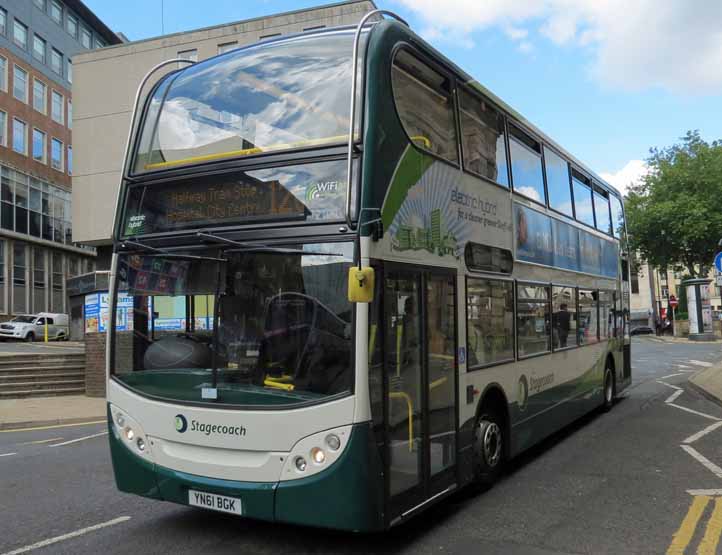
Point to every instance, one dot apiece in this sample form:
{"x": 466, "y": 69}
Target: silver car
{"x": 31, "y": 327}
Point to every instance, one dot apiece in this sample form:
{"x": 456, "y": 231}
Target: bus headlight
{"x": 128, "y": 431}
{"x": 318, "y": 456}
{"x": 315, "y": 453}
{"x": 333, "y": 442}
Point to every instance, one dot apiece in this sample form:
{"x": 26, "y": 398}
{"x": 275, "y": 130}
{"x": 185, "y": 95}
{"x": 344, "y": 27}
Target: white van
{"x": 31, "y": 327}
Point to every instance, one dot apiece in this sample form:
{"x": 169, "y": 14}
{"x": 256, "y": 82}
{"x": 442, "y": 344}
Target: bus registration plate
{"x": 214, "y": 502}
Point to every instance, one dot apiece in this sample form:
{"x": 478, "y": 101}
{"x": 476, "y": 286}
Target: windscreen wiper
{"x": 256, "y": 247}
{"x": 163, "y": 253}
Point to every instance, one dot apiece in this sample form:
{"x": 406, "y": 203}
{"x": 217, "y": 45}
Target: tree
{"x": 674, "y": 216}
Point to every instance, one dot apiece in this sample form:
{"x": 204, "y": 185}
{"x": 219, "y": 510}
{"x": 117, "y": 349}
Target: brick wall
{"x": 95, "y": 364}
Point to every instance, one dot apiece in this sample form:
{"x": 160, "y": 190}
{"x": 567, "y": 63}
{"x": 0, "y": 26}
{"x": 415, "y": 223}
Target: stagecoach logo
{"x": 181, "y": 424}
{"x": 522, "y": 393}
{"x": 322, "y": 189}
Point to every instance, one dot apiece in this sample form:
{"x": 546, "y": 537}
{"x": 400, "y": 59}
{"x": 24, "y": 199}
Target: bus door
{"x": 420, "y": 342}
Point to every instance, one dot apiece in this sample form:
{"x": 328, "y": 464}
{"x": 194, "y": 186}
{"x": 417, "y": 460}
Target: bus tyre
{"x": 488, "y": 448}
{"x": 609, "y": 389}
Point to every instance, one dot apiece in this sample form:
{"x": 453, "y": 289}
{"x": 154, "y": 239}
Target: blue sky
{"x": 607, "y": 79}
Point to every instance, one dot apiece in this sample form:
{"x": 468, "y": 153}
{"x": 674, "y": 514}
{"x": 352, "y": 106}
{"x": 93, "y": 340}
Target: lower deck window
{"x": 564, "y": 317}
{"x": 490, "y": 321}
{"x": 532, "y": 319}
{"x": 588, "y": 331}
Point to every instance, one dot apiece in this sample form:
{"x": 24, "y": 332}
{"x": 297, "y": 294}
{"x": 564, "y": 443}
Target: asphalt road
{"x": 644, "y": 478}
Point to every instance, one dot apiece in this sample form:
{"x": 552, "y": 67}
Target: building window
{"x": 70, "y": 114}
{"x": 20, "y": 138}
{"x": 40, "y": 96}
{"x": 21, "y": 202}
{"x": 57, "y": 108}
{"x": 4, "y": 73}
{"x": 635, "y": 283}
{"x": 582, "y": 199}
{"x": 39, "y": 48}
{"x": 56, "y": 11}
{"x": 34, "y": 206}
{"x": 227, "y": 47}
{"x": 19, "y": 265}
{"x": 85, "y": 37}
{"x": 2, "y": 276}
{"x": 424, "y": 104}
{"x": 558, "y": 185}
{"x": 532, "y": 319}
{"x": 39, "y": 147}
{"x": 56, "y": 160}
{"x": 588, "y": 328}
{"x": 20, "y": 84}
{"x": 70, "y": 160}
{"x": 191, "y": 55}
{"x": 490, "y": 321}
{"x": 20, "y": 34}
{"x": 71, "y": 25}
{"x": 99, "y": 43}
{"x": 56, "y": 61}
{"x": 69, "y": 67}
{"x": 3, "y": 129}
{"x": 526, "y": 165}
{"x": 3, "y": 21}
{"x": 482, "y": 139}
{"x": 564, "y": 317}
{"x": 38, "y": 279}
{"x": 40, "y": 4}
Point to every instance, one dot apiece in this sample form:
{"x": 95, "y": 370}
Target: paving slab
{"x": 50, "y": 411}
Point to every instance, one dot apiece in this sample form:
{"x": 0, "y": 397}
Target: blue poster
{"x": 91, "y": 313}
{"x": 533, "y": 236}
{"x": 610, "y": 259}
{"x": 566, "y": 246}
{"x": 590, "y": 253}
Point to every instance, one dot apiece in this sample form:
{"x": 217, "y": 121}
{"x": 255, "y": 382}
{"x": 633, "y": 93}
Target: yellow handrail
{"x": 425, "y": 140}
{"x": 244, "y": 152}
{"x": 410, "y": 407}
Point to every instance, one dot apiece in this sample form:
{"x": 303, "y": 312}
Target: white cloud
{"x": 630, "y": 174}
{"x": 674, "y": 44}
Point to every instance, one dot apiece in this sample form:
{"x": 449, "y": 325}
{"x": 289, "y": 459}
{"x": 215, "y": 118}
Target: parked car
{"x": 641, "y": 330}
{"x": 31, "y": 327}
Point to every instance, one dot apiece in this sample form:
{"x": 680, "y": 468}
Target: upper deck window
{"x": 423, "y": 101}
{"x": 526, "y": 165}
{"x": 582, "y": 199}
{"x": 617, "y": 216}
{"x": 280, "y": 95}
{"x": 560, "y": 196}
{"x": 482, "y": 138}
{"x": 601, "y": 209}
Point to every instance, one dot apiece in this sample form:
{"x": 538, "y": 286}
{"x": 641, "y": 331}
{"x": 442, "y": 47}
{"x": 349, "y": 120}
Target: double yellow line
{"x": 711, "y": 538}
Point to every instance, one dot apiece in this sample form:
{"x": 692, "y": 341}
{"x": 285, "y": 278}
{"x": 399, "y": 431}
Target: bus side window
{"x": 424, "y": 104}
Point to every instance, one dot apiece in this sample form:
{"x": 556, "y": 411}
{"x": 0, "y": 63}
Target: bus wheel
{"x": 609, "y": 389}
{"x": 488, "y": 448}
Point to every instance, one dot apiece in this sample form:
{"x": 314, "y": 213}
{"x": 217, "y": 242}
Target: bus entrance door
{"x": 420, "y": 381}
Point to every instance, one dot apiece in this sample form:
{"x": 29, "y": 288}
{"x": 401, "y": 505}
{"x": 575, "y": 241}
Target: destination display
{"x": 308, "y": 192}
{"x": 551, "y": 242}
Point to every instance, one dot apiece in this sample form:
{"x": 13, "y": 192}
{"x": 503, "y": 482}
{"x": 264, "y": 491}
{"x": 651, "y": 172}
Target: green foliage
{"x": 674, "y": 217}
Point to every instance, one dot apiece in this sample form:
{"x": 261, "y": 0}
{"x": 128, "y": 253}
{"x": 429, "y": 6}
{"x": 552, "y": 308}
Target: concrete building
{"x": 38, "y": 42}
{"x": 102, "y": 113}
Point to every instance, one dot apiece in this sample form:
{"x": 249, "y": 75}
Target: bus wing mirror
{"x": 360, "y": 284}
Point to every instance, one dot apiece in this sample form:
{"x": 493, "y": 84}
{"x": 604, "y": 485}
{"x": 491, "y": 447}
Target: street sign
{"x": 719, "y": 280}
{"x": 718, "y": 262}
{"x": 673, "y": 301}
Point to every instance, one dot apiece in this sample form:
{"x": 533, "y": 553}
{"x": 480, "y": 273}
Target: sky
{"x": 606, "y": 79}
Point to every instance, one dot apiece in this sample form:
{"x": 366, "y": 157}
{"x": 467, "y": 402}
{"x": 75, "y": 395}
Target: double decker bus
{"x": 348, "y": 280}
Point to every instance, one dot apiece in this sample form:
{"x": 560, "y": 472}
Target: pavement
{"x": 644, "y": 478}
{"x": 34, "y": 412}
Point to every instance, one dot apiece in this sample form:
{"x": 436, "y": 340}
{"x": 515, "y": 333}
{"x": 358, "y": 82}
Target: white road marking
{"x": 680, "y": 407}
{"x": 702, "y": 433}
{"x": 710, "y": 492}
{"x": 708, "y": 464}
{"x": 672, "y": 398}
{"x": 700, "y": 363}
{"x": 670, "y": 385}
{"x": 79, "y": 439}
{"x": 8, "y": 454}
{"x": 673, "y": 375}
{"x": 68, "y": 536}
{"x": 41, "y": 441}
{"x": 683, "y": 366}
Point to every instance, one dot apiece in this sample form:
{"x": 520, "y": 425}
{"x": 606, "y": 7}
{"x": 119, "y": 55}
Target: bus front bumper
{"x": 347, "y": 496}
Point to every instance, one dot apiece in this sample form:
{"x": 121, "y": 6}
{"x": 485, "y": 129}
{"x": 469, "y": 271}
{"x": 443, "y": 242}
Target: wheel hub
{"x": 491, "y": 444}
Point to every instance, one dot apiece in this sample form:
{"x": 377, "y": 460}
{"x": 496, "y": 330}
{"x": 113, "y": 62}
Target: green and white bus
{"x": 348, "y": 280}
